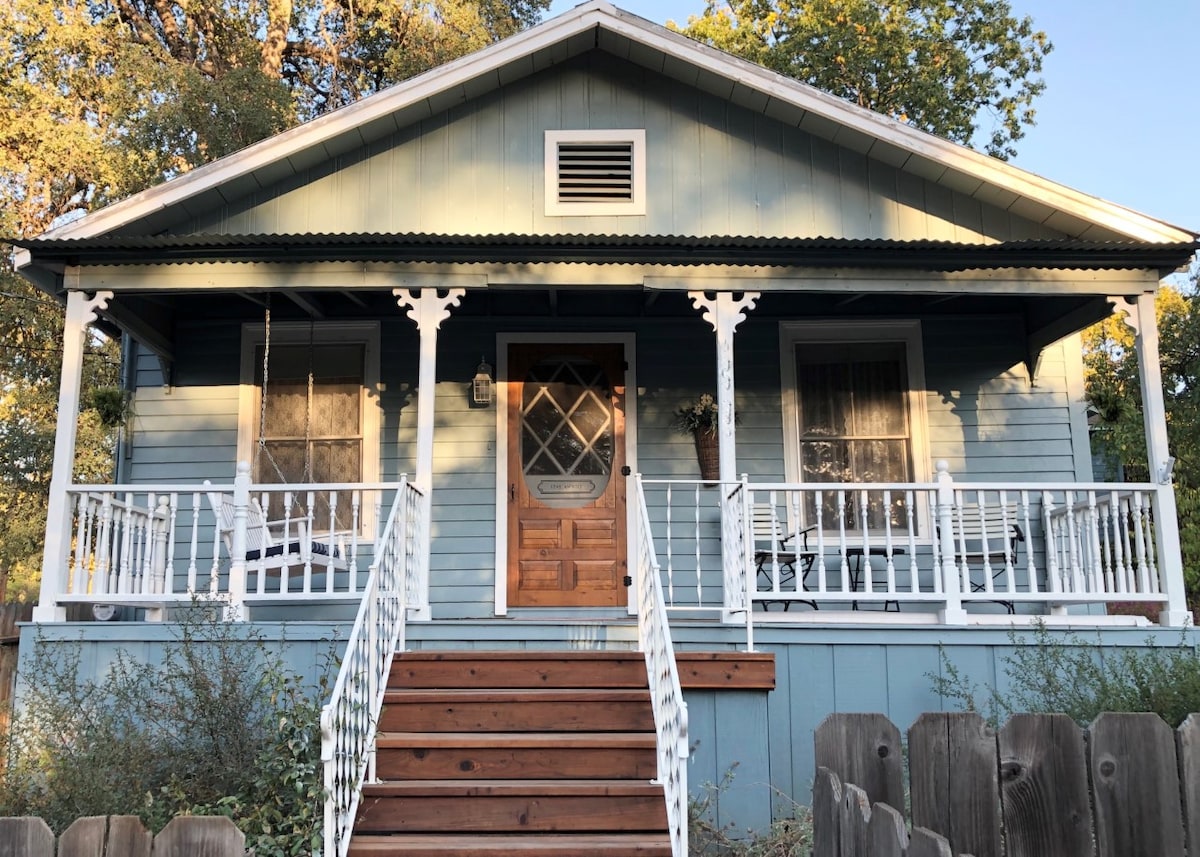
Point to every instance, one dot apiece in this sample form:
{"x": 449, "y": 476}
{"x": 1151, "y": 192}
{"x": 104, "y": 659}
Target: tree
{"x": 102, "y": 99}
{"x": 941, "y": 65}
{"x": 1114, "y": 393}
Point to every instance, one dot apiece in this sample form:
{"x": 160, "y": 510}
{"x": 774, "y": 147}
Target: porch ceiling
{"x": 153, "y": 318}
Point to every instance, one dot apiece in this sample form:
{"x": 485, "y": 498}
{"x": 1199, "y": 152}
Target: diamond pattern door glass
{"x": 567, "y": 428}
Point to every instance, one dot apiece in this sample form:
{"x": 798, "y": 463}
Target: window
{"x": 326, "y": 435}
{"x": 854, "y": 414}
{"x": 313, "y": 437}
{"x": 595, "y": 172}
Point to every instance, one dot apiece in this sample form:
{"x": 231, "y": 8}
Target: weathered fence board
{"x": 122, "y": 836}
{"x": 1135, "y": 780}
{"x": 199, "y": 837}
{"x": 84, "y": 838}
{"x": 126, "y": 836}
{"x": 25, "y": 837}
{"x": 1126, "y": 787}
{"x": 926, "y": 843}
{"x": 827, "y": 806}
{"x": 1044, "y": 787}
{"x": 886, "y": 832}
{"x": 1188, "y": 744}
{"x": 856, "y": 814}
{"x": 955, "y": 788}
{"x": 838, "y": 743}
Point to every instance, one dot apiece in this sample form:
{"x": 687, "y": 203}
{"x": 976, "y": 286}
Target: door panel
{"x": 566, "y": 498}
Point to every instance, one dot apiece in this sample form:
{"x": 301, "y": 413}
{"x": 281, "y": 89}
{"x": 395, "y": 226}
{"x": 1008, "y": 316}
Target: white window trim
{"x": 557, "y": 208}
{"x": 298, "y": 333}
{"x": 907, "y": 332}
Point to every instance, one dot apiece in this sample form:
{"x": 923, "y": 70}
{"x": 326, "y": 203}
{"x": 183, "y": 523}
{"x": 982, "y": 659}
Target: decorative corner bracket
{"x": 86, "y": 310}
{"x": 428, "y": 307}
{"x": 1127, "y": 305}
{"x": 723, "y": 311}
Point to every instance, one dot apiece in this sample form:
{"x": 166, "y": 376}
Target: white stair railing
{"x": 349, "y": 720}
{"x": 666, "y": 695}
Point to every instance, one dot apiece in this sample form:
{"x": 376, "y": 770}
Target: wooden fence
{"x": 122, "y": 836}
{"x": 10, "y": 615}
{"x": 1128, "y": 786}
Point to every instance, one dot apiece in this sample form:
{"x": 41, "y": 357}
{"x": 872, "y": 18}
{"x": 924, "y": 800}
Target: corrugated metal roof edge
{"x": 608, "y": 249}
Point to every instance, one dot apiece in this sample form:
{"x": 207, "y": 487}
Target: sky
{"x": 1120, "y": 117}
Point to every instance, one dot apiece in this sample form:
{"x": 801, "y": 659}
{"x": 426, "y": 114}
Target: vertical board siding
{"x": 767, "y": 737}
{"x": 477, "y": 168}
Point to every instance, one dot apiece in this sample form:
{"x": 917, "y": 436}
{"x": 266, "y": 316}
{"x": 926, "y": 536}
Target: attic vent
{"x": 595, "y": 172}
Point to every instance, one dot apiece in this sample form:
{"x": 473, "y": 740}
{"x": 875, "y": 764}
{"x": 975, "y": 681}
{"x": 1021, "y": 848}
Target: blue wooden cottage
{"x": 434, "y": 360}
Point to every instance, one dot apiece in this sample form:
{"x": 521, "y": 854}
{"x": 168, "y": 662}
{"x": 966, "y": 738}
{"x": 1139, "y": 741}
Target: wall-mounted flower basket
{"x": 708, "y": 453}
{"x": 700, "y": 420}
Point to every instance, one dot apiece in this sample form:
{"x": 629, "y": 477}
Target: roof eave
{"x": 48, "y": 255}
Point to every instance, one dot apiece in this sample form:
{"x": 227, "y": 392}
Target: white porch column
{"x": 428, "y": 308}
{"x": 725, "y": 313}
{"x": 81, "y": 311}
{"x": 1144, "y": 320}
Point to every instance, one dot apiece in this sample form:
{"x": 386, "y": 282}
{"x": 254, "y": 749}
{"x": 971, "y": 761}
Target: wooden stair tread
{"x": 698, "y": 670}
{"x": 521, "y": 655}
{"x": 603, "y": 740}
{"x": 512, "y": 845}
{"x": 506, "y": 695}
{"x": 484, "y": 788}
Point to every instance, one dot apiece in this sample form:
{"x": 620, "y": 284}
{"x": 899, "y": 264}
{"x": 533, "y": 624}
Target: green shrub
{"x": 1065, "y": 673}
{"x": 219, "y": 726}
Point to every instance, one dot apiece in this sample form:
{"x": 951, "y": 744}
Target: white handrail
{"x": 349, "y": 720}
{"x": 666, "y": 695}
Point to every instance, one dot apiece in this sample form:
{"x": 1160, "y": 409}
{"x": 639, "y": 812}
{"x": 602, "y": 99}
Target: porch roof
{"x": 660, "y": 250}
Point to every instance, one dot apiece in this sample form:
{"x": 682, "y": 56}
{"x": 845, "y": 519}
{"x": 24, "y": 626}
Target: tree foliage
{"x": 1115, "y": 395}
{"x": 946, "y": 66}
{"x": 103, "y": 98}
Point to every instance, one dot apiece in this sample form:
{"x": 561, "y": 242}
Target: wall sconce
{"x": 481, "y": 386}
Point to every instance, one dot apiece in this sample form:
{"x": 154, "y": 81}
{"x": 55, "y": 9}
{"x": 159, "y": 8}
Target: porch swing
{"x": 275, "y": 545}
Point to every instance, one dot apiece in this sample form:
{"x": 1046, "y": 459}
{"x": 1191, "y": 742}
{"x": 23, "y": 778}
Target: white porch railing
{"x": 933, "y": 547}
{"x": 348, "y": 722}
{"x": 666, "y": 696}
{"x": 155, "y": 545}
{"x": 1104, "y": 540}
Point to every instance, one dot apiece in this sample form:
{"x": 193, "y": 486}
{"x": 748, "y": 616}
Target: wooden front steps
{"x": 520, "y": 753}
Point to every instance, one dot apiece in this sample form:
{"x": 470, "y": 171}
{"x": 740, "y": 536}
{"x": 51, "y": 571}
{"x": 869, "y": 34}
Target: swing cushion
{"x": 318, "y": 548}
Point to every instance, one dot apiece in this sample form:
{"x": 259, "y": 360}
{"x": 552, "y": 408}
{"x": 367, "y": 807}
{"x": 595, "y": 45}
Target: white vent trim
{"x": 595, "y": 172}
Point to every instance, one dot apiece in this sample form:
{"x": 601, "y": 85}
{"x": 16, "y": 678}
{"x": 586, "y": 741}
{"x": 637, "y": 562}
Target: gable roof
{"x": 597, "y": 24}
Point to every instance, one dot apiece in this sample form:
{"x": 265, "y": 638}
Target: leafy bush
{"x": 219, "y": 727}
{"x": 1067, "y": 674}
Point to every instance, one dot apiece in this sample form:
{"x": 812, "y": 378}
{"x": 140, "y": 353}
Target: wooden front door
{"x": 566, "y": 493}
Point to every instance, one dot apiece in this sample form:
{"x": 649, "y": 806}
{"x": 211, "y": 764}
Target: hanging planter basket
{"x": 708, "y": 453}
